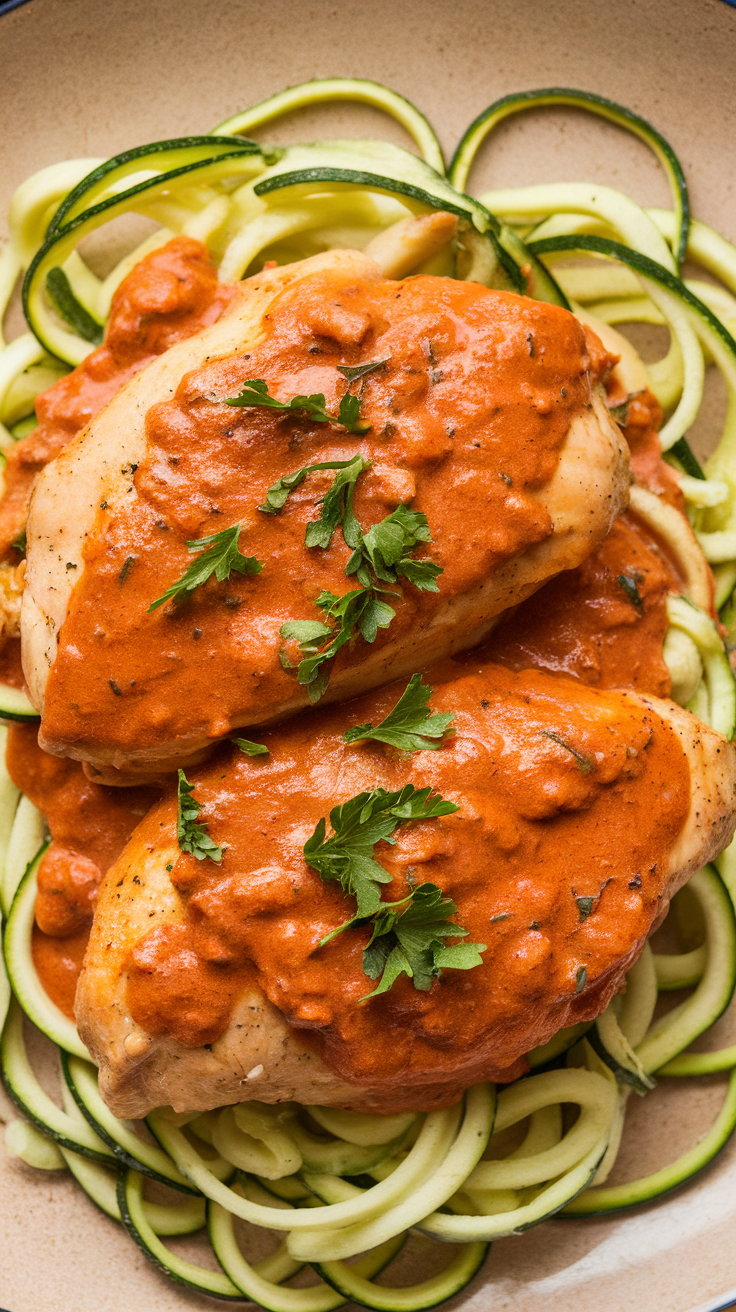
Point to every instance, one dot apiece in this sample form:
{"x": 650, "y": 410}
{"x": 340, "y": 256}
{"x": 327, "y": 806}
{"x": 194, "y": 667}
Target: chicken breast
{"x": 484, "y": 418}
{"x": 578, "y": 814}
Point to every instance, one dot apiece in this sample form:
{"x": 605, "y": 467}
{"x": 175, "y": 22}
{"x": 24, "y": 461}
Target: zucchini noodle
{"x": 332, "y": 1185}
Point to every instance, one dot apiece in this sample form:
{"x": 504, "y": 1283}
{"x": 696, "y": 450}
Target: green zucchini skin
{"x": 681, "y": 451}
{"x": 15, "y": 705}
{"x": 200, "y": 147}
{"x": 123, "y": 1155}
{"x": 540, "y": 1059}
{"x": 62, "y": 240}
{"x": 460, "y": 1271}
{"x": 607, "y": 1041}
{"x": 22, "y": 972}
{"x": 212, "y": 1283}
{"x": 322, "y": 90}
{"x": 59, "y": 292}
{"x": 441, "y": 198}
{"x": 619, "y": 1198}
{"x": 435, "y": 191}
{"x": 669, "y": 1036}
{"x": 517, "y": 102}
{"x": 640, "y": 264}
{"x": 24, "y": 1091}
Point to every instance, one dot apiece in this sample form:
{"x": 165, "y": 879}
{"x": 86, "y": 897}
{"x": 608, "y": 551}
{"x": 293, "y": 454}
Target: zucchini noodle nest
{"x": 335, "y": 1185}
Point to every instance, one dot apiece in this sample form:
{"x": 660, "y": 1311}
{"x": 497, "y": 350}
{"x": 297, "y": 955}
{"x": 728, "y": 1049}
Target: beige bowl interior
{"x": 89, "y": 78}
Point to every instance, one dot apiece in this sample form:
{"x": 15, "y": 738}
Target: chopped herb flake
{"x": 193, "y": 837}
{"x": 585, "y": 906}
{"x": 355, "y": 371}
{"x": 584, "y": 763}
{"x": 122, "y": 576}
{"x": 249, "y": 748}
{"x": 628, "y": 583}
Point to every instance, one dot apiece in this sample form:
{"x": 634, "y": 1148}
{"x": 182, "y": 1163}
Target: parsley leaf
{"x": 370, "y": 818}
{"x": 279, "y": 491}
{"x": 383, "y": 551}
{"x": 410, "y": 942}
{"x": 255, "y": 392}
{"x": 193, "y": 837}
{"x": 220, "y": 558}
{"x": 360, "y": 611}
{"x": 337, "y": 508}
{"x": 410, "y": 726}
{"x": 249, "y": 748}
{"x": 379, "y": 554}
{"x": 407, "y": 936}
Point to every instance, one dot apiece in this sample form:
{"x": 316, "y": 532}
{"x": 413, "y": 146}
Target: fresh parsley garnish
{"x": 411, "y": 942}
{"x": 584, "y": 763}
{"x": 383, "y": 551}
{"x": 191, "y": 836}
{"x": 379, "y": 554}
{"x": 336, "y": 508}
{"x": 249, "y": 748}
{"x": 361, "y": 611}
{"x": 279, "y": 491}
{"x": 370, "y": 818}
{"x": 220, "y": 555}
{"x": 407, "y": 936}
{"x": 410, "y": 726}
{"x": 255, "y": 392}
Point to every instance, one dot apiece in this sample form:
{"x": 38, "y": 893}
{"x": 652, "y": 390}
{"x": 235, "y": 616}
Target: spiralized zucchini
{"x": 335, "y": 1185}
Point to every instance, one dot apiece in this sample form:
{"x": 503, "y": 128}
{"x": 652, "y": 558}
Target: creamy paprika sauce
{"x": 582, "y": 624}
{"x": 468, "y": 417}
{"x": 604, "y": 622}
{"x": 569, "y": 801}
{"x": 89, "y": 827}
{"x": 170, "y": 294}
{"x": 450, "y": 402}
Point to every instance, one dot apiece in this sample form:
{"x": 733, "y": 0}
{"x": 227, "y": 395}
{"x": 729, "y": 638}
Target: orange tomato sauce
{"x": 582, "y": 624}
{"x": 589, "y": 812}
{"x": 89, "y": 826}
{"x": 603, "y": 622}
{"x": 468, "y": 418}
{"x": 169, "y": 295}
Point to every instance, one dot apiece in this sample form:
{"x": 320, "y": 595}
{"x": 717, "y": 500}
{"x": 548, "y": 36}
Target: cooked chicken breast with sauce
{"x": 579, "y": 813}
{"x": 484, "y": 416}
